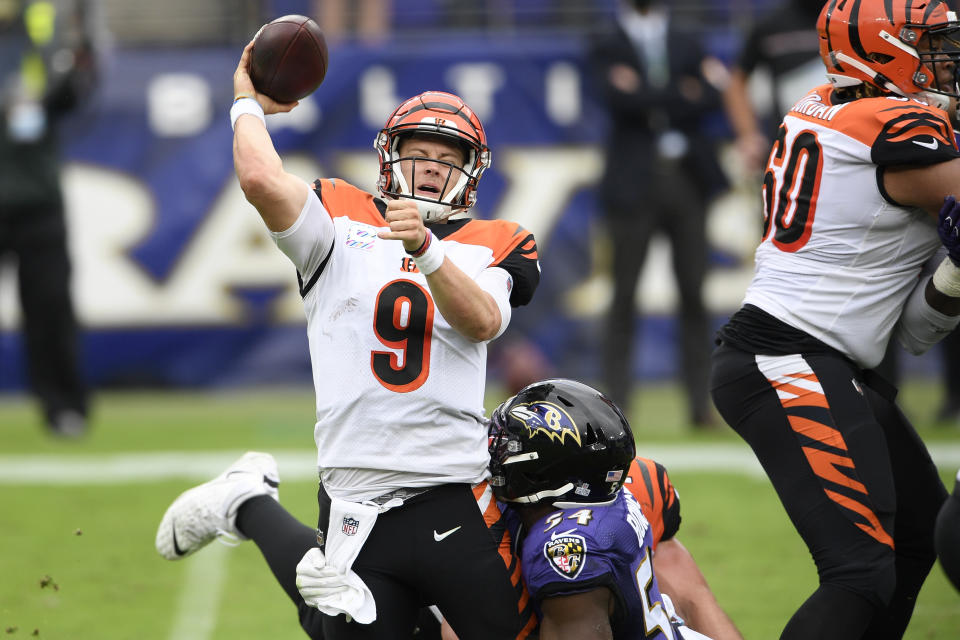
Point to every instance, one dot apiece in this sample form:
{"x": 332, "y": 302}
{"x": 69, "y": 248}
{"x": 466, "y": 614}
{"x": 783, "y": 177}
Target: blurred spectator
{"x": 46, "y": 68}
{"x": 786, "y": 47}
{"x": 657, "y": 85}
{"x": 366, "y": 20}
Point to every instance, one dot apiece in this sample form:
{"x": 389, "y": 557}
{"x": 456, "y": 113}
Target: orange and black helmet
{"x": 900, "y": 46}
{"x": 434, "y": 113}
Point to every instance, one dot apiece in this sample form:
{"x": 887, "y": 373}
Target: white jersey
{"x": 399, "y": 392}
{"x": 838, "y": 257}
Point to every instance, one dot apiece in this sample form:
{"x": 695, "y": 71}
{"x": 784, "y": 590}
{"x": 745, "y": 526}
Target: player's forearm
{"x": 277, "y": 195}
{"x": 468, "y": 308}
{"x": 705, "y": 616}
{"x": 255, "y": 160}
{"x": 679, "y": 577}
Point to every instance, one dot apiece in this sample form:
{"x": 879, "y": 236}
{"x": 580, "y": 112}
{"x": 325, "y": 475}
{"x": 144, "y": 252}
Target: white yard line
{"x": 300, "y": 465}
{"x": 205, "y": 573}
{"x": 196, "y": 613}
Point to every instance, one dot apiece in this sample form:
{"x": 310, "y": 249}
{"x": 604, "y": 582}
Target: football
{"x": 289, "y": 58}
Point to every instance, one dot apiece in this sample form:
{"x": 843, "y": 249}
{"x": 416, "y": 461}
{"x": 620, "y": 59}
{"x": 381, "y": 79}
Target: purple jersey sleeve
{"x": 584, "y": 547}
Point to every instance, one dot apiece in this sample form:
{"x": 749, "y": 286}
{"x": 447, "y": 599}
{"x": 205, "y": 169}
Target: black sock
{"x": 283, "y": 540}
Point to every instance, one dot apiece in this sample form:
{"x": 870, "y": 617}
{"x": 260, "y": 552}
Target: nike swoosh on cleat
{"x": 176, "y": 547}
{"x": 440, "y": 536}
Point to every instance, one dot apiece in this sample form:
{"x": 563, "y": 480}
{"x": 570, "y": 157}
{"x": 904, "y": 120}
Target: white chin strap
{"x": 541, "y": 495}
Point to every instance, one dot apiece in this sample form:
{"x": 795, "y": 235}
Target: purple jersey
{"x": 586, "y": 546}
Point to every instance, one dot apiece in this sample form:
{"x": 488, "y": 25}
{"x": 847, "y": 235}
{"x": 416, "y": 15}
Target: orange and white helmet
{"x": 875, "y": 42}
{"x": 439, "y": 114}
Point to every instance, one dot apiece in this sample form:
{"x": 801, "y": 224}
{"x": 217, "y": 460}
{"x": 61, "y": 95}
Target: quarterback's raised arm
{"x": 277, "y": 195}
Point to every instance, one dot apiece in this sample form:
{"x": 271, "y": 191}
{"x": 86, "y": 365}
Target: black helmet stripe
{"x": 826, "y": 29}
{"x": 440, "y": 106}
{"x": 854, "y": 28}
{"x": 930, "y": 9}
{"x": 888, "y": 8}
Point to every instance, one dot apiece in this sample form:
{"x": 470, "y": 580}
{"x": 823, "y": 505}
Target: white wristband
{"x": 245, "y": 105}
{"x": 946, "y": 279}
{"x": 431, "y": 259}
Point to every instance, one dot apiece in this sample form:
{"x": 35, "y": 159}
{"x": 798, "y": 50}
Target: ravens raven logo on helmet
{"x": 548, "y": 419}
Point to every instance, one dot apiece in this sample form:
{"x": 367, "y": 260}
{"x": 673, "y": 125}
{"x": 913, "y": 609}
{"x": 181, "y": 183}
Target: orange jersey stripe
{"x": 343, "y": 199}
{"x": 865, "y": 119}
{"x": 500, "y": 236}
{"x": 528, "y": 628}
{"x": 643, "y": 482}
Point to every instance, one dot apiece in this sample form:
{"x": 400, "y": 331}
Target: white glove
{"x": 316, "y": 580}
{"x": 325, "y": 588}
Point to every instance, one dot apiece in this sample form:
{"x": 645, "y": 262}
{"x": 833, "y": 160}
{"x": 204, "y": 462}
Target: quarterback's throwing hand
{"x": 949, "y": 228}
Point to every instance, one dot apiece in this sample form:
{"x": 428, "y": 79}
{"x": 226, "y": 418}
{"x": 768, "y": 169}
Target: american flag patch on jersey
{"x": 361, "y": 236}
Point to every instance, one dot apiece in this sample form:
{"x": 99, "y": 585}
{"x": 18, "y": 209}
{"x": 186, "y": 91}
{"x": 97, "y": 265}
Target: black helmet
{"x": 559, "y": 440}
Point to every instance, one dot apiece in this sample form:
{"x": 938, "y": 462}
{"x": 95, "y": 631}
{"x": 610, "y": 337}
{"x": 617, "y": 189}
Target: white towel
{"x": 327, "y": 581}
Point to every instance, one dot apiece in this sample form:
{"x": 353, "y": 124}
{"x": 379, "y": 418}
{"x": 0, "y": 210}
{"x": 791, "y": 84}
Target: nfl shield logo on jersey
{"x": 566, "y": 553}
{"x": 350, "y": 526}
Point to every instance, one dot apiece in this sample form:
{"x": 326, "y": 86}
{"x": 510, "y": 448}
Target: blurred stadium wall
{"x": 176, "y": 281}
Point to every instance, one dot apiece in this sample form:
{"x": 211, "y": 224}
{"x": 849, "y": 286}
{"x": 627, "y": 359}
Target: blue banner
{"x": 177, "y": 283}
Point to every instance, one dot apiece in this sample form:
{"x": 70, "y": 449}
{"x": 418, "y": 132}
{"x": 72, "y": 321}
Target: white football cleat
{"x": 209, "y": 510}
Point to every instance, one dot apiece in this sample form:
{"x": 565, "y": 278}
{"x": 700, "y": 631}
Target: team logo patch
{"x": 361, "y": 236}
{"x": 350, "y": 526}
{"x": 548, "y": 419}
{"x": 567, "y": 553}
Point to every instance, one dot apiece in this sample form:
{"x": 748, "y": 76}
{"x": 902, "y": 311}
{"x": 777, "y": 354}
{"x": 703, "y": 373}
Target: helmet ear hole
{"x": 592, "y": 436}
{"x": 880, "y": 58}
{"x": 564, "y": 400}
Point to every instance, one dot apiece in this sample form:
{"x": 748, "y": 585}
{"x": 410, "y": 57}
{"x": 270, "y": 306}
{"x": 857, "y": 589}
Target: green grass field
{"x": 77, "y": 519}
